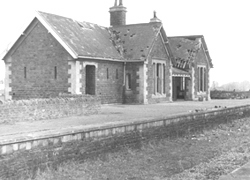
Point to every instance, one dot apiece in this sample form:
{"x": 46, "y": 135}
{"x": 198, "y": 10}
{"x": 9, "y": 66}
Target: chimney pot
{"x": 118, "y": 14}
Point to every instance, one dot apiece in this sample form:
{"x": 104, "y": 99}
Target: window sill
{"x": 201, "y": 93}
{"x": 158, "y": 95}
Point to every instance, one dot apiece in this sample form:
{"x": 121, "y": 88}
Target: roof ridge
{"x": 144, "y": 24}
{"x": 53, "y": 14}
{"x": 186, "y": 36}
{"x": 78, "y": 21}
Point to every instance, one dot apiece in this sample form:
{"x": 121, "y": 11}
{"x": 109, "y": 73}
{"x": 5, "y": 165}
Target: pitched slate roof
{"x": 88, "y": 40}
{"x": 120, "y": 43}
{"x": 184, "y": 48}
{"x": 83, "y": 38}
{"x": 127, "y": 42}
{"x": 136, "y": 40}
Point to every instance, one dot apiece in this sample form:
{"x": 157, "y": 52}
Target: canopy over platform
{"x": 180, "y": 73}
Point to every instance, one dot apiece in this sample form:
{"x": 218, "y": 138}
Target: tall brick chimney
{"x": 118, "y": 14}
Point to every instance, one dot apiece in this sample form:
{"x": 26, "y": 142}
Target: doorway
{"x": 179, "y": 88}
{"x": 90, "y": 87}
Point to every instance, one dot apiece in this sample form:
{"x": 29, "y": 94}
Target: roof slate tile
{"x": 137, "y": 39}
{"x": 184, "y": 48}
{"x": 85, "y": 39}
{"x": 127, "y": 42}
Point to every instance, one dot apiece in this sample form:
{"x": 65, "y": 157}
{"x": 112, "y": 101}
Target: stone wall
{"x": 132, "y": 95}
{"x": 39, "y": 66}
{"x": 217, "y": 94}
{"x": 109, "y": 79}
{"x": 39, "y": 109}
{"x": 24, "y": 157}
{"x": 159, "y": 54}
{"x": 96, "y": 77}
{"x": 201, "y": 60}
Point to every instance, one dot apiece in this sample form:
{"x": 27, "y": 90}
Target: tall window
{"x": 159, "y": 78}
{"x": 107, "y": 73}
{"x": 55, "y": 72}
{"x": 154, "y": 79}
{"x": 164, "y": 79}
{"x": 116, "y": 74}
{"x": 25, "y": 72}
{"x": 202, "y": 79}
{"x": 128, "y": 81}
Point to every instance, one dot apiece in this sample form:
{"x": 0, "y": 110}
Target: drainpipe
{"x": 124, "y": 83}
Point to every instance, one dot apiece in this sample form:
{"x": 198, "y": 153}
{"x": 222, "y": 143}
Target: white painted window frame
{"x": 202, "y": 90}
{"x": 162, "y": 92}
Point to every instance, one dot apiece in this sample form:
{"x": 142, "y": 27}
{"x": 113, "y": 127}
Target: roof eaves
{"x": 100, "y": 58}
{"x": 134, "y": 61}
{"x": 109, "y": 59}
{"x": 56, "y": 36}
{"x": 188, "y": 36}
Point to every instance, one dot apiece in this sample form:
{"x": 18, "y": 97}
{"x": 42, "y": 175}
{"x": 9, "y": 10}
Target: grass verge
{"x": 207, "y": 155}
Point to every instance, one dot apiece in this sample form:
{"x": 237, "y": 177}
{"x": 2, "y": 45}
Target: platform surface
{"x": 118, "y": 114}
{"x": 112, "y": 115}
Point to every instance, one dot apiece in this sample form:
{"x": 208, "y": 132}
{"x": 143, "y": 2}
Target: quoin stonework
{"x": 123, "y": 63}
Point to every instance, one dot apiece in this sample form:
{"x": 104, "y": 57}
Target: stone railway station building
{"x": 134, "y": 63}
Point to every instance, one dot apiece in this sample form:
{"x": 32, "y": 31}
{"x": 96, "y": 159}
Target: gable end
{"x": 159, "y": 50}
{"x": 16, "y": 44}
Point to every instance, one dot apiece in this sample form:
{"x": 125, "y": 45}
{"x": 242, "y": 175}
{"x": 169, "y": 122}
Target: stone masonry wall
{"x": 39, "y": 66}
{"x": 159, "y": 53}
{"x": 109, "y": 80}
{"x": 132, "y": 95}
{"x": 201, "y": 61}
{"x": 25, "y": 156}
{"x": 39, "y": 109}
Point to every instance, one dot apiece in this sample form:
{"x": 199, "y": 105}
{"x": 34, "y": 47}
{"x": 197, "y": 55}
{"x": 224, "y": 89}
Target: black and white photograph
{"x": 124, "y": 90}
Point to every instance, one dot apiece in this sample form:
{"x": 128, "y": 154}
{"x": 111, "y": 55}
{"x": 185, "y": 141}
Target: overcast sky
{"x": 224, "y": 23}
